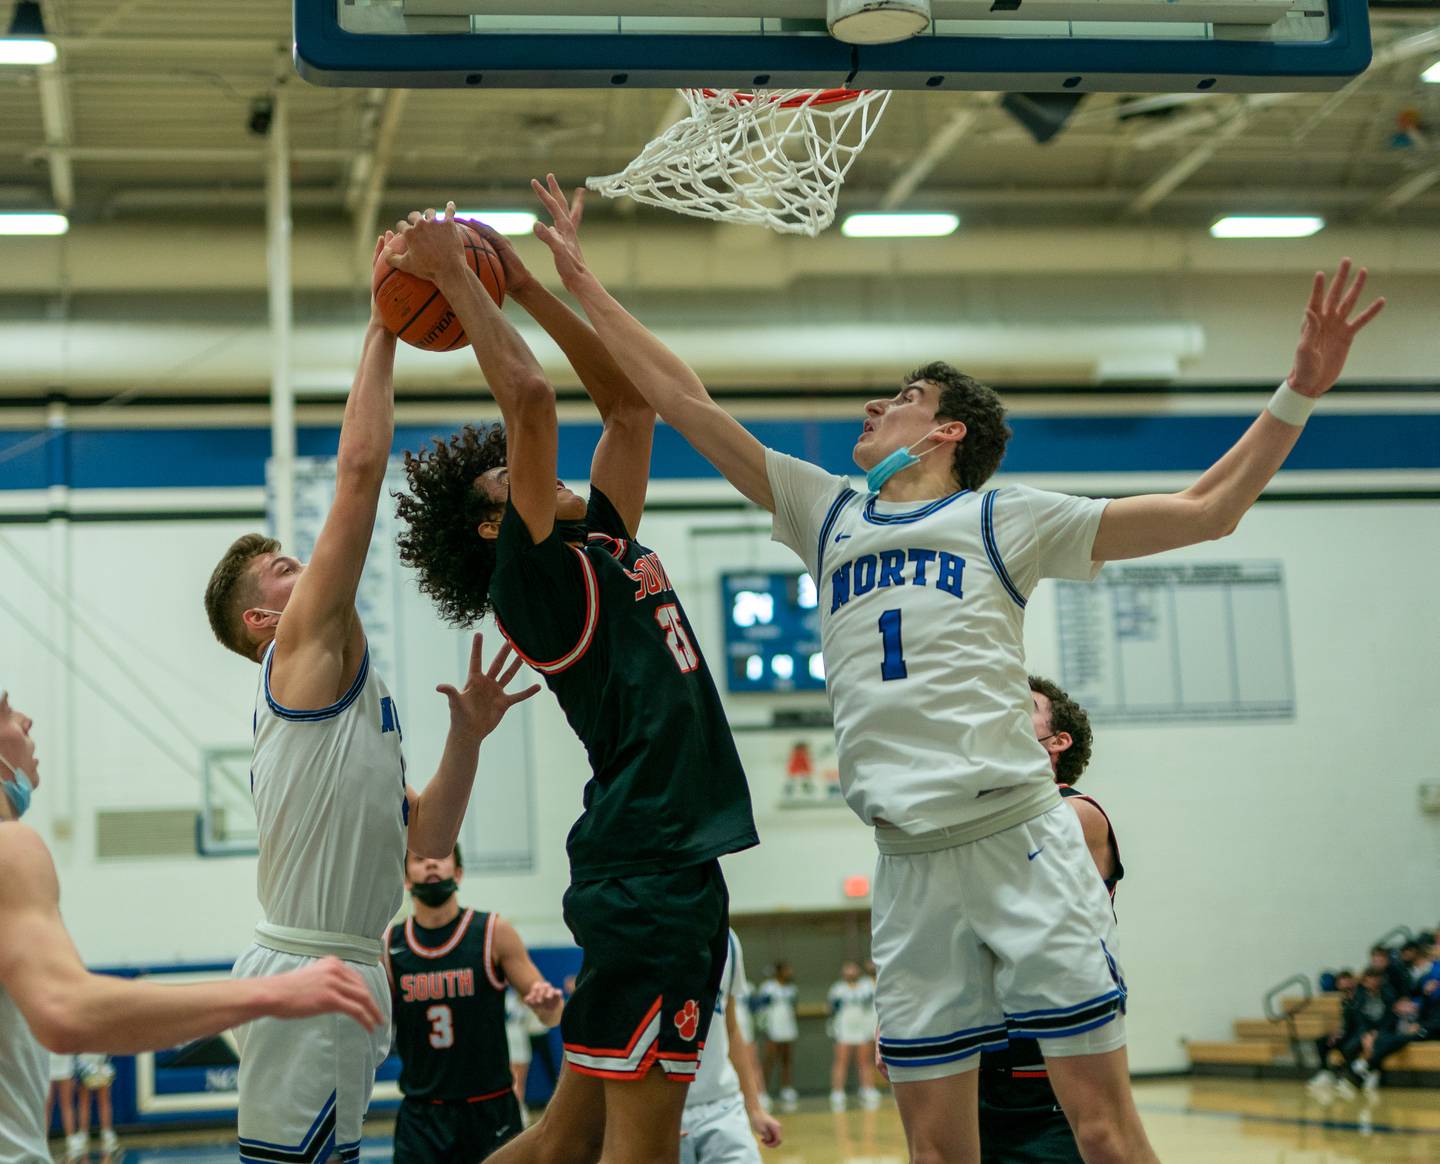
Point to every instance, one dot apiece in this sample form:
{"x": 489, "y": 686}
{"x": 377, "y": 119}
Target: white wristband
{"x": 1289, "y": 407}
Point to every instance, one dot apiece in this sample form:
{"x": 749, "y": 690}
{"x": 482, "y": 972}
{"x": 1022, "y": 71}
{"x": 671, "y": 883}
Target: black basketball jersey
{"x": 449, "y": 1005}
{"x": 1015, "y": 1079}
{"x": 602, "y": 624}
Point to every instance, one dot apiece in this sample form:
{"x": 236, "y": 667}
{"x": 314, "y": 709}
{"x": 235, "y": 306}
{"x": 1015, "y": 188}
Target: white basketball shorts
{"x": 305, "y": 1084}
{"x": 718, "y": 1133}
{"x": 1010, "y": 935}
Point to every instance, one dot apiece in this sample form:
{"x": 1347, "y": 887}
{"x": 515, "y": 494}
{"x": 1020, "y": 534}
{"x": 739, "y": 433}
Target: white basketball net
{"x": 772, "y": 157}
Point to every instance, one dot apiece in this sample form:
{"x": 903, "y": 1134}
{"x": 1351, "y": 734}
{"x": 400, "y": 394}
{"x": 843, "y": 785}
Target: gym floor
{"x": 1190, "y": 1121}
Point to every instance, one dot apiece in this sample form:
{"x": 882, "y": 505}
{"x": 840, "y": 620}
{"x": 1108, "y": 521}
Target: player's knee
{"x": 1101, "y": 1140}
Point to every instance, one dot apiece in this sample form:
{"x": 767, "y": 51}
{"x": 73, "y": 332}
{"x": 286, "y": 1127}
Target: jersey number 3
{"x": 442, "y": 1027}
{"x": 686, "y": 657}
{"x": 893, "y": 666}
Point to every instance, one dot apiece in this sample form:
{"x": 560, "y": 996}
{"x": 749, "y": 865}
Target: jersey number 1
{"x": 686, "y": 657}
{"x": 894, "y": 665}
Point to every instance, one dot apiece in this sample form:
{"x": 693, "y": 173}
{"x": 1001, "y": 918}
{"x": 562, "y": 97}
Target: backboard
{"x": 1076, "y": 46}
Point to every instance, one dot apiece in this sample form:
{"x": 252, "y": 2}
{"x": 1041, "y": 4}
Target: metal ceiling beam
{"x": 959, "y": 125}
{"x": 1166, "y": 183}
{"x": 1407, "y": 48}
{"x": 1407, "y": 190}
{"x": 370, "y": 168}
{"x": 55, "y": 116}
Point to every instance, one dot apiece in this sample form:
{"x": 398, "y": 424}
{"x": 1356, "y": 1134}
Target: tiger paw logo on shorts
{"x": 687, "y": 1020}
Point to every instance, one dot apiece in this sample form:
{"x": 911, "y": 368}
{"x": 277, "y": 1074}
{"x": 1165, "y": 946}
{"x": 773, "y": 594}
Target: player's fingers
{"x": 1352, "y": 296}
{"x": 577, "y": 206}
{"x": 524, "y": 695}
{"x": 500, "y": 659}
{"x": 429, "y": 214}
{"x": 1368, "y": 314}
{"x": 510, "y": 672}
{"x": 447, "y": 691}
{"x": 1337, "y": 285}
{"x": 449, "y": 211}
{"x": 413, "y": 217}
{"x": 1317, "y": 292}
{"x": 545, "y": 199}
{"x": 477, "y": 654}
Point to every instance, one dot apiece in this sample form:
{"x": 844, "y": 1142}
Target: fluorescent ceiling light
{"x": 18, "y": 51}
{"x": 505, "y": 221}
{"x": 1432, "y": 74}
{"x": 33, "y": 223}
{"x": 1267, "y": 226}
{"x": 899, "y": 225}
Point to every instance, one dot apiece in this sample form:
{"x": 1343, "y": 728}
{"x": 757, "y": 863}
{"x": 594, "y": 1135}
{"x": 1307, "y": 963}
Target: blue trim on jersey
{"x": 319, "y": 713}
{"x": 992, "y": 548}
{"x": 826, "y": 526}
{"x": 1067, "y": 1032}
{"x": 884, "y": 1042}
{"x": 1109, "y": 996}
{"x": 348, "y": 1152}
{"x": 906, "y": 518}
{"x": 310, "y": 1148}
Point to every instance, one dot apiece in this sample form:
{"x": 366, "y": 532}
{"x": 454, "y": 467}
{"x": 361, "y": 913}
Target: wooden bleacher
{"x": 1262, "y": 1047}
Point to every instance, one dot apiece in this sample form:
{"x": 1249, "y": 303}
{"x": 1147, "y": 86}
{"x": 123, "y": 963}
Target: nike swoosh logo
{"x": 1036, "y": 853}
{"x": 840, "y": 538}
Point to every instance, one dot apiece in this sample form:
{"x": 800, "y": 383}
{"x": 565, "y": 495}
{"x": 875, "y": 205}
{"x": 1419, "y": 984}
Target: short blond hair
{"x": 232, "y": 590}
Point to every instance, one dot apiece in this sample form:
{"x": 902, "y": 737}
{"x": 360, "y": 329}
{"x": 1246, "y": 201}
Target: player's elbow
{"x": 57, "y": 1027}
{"x": 1209, "y": 521}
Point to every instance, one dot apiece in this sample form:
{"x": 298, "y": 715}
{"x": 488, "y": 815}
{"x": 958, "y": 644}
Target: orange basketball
{"x": 414, "y": 309}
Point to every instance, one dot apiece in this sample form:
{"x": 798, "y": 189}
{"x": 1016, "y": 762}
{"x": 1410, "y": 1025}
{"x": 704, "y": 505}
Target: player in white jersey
{"x": 852, "y": 1025}
{"x": 723, "y": 1112}
{"x": 923, "y": 580}
{"x": 333, "y": 808}
{"x": 45, "y": 988}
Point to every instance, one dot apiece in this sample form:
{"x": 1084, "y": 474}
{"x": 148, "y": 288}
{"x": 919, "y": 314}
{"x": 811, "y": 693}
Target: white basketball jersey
{"x": 329, "y": 789}
{"x": 24, "y": 1079}
{"x": 716, "y": 1078}
{"x": 853, "y": 1002}
{"x": 922, "y": 608}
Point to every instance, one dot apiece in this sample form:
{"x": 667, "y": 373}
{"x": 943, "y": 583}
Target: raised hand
{"x": 477, "y": 709}
{"x": 546, "y": 1001}
{"x": 563, "y": 238}
{"x": 1328, "y": 331}
{"x": 326, "y": 987}
{"x": 518, "y": 279}
{"x": 427, "y": 245}
{"x": 380, "y": 244}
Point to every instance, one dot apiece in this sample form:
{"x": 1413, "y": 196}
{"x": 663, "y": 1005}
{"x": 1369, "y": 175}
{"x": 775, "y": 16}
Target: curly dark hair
{"x": 1067, "y": 716}
{"x": 441, "y": 511}
{"x": 964, "y": 398}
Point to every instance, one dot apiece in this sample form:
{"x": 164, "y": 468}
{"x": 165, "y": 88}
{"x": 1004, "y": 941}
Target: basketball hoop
{"x": 772, "y": 157}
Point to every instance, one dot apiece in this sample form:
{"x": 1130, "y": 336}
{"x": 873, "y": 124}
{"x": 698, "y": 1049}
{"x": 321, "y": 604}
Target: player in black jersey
{"x": 1021, "y": 1121}
{"x": 449, "y": 968}
{"x": 489, "y": 527}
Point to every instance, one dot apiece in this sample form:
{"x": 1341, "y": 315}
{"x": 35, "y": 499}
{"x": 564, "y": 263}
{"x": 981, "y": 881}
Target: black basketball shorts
{"x": 654, "y": 952}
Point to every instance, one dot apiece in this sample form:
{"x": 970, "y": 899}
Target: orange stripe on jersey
{"x": 592, "y": 619}
{"x": 634, "y": 1039}
{"x": 438, "y": 951}
{"x": 495, "y": 980}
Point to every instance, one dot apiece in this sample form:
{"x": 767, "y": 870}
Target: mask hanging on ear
{"x": 896, "y": 462}
{"x": 18, "y": 790}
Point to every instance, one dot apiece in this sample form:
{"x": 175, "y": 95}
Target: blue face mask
{"x": 896, "y": 462}
{"x": 18, "y": 790}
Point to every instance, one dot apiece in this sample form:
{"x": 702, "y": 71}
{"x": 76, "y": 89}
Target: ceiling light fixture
{"x": 899, "y": 225}
{"x": 32, "y": 223}
{"x": 1267, "y": 226}
{"x": 25, "y": 44}
{"x": 505, "y": 221}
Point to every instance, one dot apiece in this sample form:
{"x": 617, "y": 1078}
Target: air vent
{"x": 130, "y": 834}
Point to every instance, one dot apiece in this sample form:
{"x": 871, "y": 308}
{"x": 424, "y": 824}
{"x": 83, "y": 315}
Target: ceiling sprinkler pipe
{"x": 877, "y": 21}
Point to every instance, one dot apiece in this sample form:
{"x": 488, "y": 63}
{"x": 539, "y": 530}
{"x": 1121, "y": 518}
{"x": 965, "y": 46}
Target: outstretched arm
{"x": 319, "y": 640}
{"x": 662, "y": 377}
{"x": 69, "y": 1009}
{"x": 1133, "y": 527}
{"x": 475, "y": 712}
{"x": 742, "y": 1058}
{"x": 546, "y": 1000}
{"x": 621, "y": 465}
{"x": 432, "y": 248}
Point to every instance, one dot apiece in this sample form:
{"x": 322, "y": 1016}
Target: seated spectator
{"x": 1364, "y": 1007}
{"x": 1396, "y": 972}
{"x": 1411, "y": 1020}
{"x": 1410, "y": 958}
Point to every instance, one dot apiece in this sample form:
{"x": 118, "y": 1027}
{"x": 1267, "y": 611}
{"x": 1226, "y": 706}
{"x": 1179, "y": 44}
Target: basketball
{"x": 414, "y": 309}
